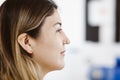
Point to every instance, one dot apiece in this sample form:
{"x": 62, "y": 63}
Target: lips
{"x": 63, "y": 53}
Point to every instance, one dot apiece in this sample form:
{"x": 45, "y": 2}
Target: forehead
{"x": 55, "y": 17}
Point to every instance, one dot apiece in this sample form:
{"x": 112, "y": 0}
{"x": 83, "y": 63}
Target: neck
{"x": 44, "y": 72}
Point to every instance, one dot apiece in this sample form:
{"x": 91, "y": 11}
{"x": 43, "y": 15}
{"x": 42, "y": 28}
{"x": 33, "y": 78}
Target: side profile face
{"x": 49, "y": 48}
{"x": 35, "y": 43}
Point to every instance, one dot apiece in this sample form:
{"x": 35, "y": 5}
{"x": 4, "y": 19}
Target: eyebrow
{"x": 58, "y": 23}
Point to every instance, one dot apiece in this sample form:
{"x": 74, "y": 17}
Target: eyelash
{"x": 59, "y": 30}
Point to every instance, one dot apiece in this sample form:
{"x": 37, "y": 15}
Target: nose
{"x": 65, "y": 39}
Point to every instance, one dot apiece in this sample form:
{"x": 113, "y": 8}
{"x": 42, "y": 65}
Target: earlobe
{"x": 24, "y": 41}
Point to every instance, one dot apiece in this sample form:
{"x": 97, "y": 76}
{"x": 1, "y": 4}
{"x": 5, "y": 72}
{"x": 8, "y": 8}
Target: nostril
{"x": 67, "y": 41}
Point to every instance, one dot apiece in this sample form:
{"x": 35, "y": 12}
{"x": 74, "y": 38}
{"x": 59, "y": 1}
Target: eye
{"x": 59, "y": 30}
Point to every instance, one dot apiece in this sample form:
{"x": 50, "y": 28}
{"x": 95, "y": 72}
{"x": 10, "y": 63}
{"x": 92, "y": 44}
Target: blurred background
{"x": 93, "y": 28}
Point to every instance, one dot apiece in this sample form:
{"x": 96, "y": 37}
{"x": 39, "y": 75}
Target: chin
{"x": 60, "y": 66}
{"x": 57, "y": 67}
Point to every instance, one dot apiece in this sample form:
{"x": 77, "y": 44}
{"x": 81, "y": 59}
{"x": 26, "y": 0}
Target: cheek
{"x": 48, "y": 54}
{"x": 47, "y": 51}
{"x": 53, "y": 42}
{"x": 50, "y": 59}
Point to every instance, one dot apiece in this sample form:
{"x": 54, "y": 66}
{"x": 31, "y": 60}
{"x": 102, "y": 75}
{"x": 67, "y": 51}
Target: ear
{"x": 24, "y": 41}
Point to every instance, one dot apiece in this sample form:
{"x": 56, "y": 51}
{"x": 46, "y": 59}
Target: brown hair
{"x": 17, "y": 17}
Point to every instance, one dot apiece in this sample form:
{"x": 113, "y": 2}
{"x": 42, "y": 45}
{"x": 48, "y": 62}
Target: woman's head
{"x": 31, "y": 37}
